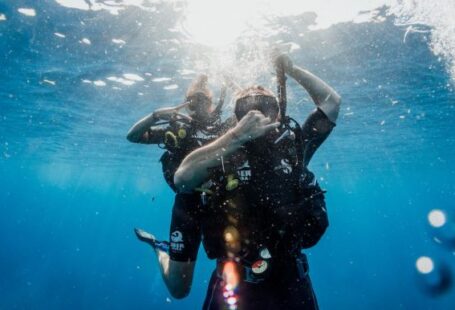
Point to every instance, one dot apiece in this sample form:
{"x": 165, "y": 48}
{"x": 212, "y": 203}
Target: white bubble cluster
{"x": 86, "y": 41}
{"x": 113, "y": 7}
{"x": 439, "y": 15}
{"x": 118, "y": 41}
{"x": 27, "y": 12}
{"x": 133, "y": 77}
{"x": 100, "y": 83}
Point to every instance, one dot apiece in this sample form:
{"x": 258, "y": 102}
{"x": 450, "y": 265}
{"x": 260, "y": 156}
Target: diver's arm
{"x": 177, "y": 276}
{"x": 194, "y": 169}
{"x": 140, "y": 132}
{"x": 325, "y": 97}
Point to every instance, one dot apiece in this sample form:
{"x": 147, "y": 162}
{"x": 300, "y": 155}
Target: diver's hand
{"x": 253, "y": 125}
{"x": 284, "y": 62}
{"x": 169, "y": 113}
{"x": 165, "y": 113}
{"x": 180, "y": 116}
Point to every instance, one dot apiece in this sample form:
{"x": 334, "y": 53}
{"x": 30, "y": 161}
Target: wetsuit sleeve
{"x": 315, "y": 130}
{"x": 185, "y": 232}
{"x": 155, "y": 135}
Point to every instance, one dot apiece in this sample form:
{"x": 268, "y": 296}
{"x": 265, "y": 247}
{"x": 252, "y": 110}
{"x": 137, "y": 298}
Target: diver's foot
{"x": 145, "y": 236}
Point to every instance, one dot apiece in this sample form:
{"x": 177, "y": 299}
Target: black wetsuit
{"x": 262, "y": 197}
{"x": 179, "y": 138}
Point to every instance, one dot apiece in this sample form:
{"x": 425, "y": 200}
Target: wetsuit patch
{"x": 177, "y": 242}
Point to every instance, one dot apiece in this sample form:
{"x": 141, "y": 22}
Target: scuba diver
{"x": 179, "y": 134}
{"x": 255, "y": 203}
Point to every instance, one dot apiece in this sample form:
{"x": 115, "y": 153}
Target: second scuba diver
{"x": 179, "y": 134}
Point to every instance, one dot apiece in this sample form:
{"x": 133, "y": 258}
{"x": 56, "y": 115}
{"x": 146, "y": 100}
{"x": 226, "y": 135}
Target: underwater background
{"x": 76, "y": 74}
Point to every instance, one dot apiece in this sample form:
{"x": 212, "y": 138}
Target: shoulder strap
{"x": 294, "y": 126}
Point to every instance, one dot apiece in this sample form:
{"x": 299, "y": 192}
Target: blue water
{"x": 73, "y": 188}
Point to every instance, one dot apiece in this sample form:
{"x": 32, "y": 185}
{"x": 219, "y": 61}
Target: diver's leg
{"x": 176, "y": 275}
{"x": 177, "y": 259}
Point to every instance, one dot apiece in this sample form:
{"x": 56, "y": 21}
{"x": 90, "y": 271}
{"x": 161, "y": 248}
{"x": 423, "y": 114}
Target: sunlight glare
{"x": 218, "y": 23}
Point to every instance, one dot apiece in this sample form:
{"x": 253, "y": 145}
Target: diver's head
{"x": 257, "y": 98}
{"x": 199, "y": 98}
